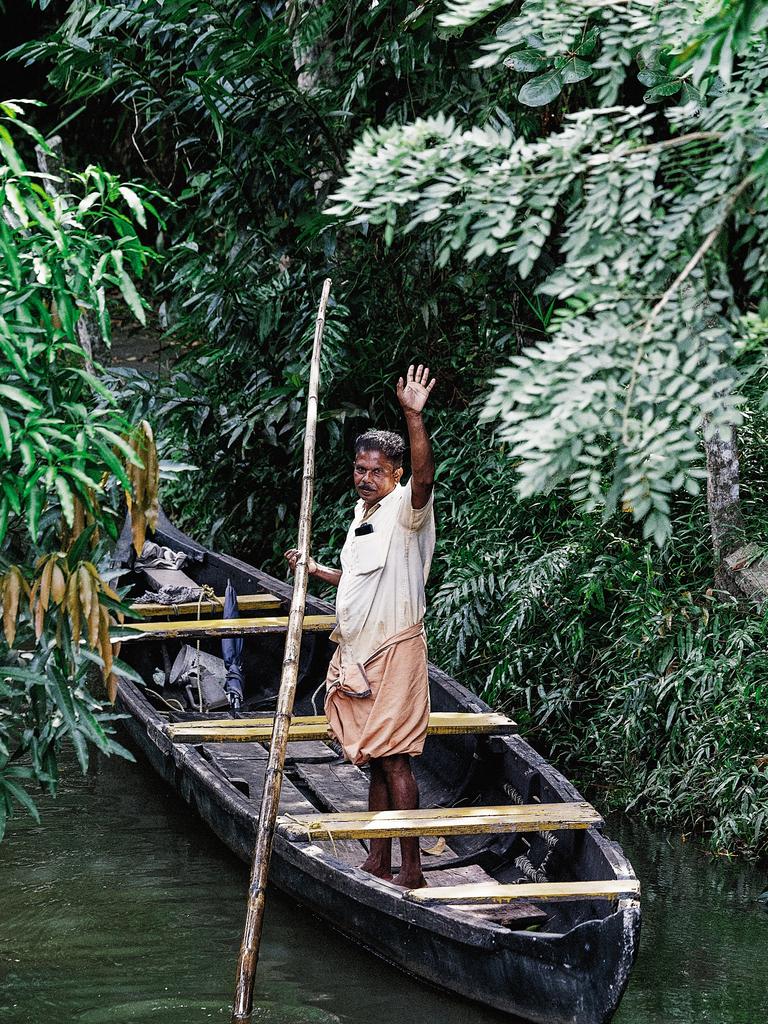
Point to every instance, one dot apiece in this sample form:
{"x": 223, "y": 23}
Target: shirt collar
{"x": 394, "y": 495}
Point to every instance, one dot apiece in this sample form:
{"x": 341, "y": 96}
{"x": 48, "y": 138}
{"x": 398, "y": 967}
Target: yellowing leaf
{"x": 85, "y": 589}
{"x": 58, "y": 584}
{"x": 93, "y": 624}
{"x": 73, "y": 607}
{"x": 45, "y": 583}
{"x": 11, "y": 594}
{"x": 437, "y": 848}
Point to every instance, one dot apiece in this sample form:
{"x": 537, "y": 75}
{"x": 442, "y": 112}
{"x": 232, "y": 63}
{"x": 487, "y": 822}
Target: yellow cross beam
{"x": 315, "y": 727}
{"x": 216, "y": 628}
{"x": 440, "y": 821}
{"x": 493, "y": 892}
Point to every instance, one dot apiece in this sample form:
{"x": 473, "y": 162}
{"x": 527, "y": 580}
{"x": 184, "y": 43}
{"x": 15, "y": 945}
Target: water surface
{"x": 122, "y": 908}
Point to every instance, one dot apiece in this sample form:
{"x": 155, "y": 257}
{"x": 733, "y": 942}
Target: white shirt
{"x": 381, "y": 590}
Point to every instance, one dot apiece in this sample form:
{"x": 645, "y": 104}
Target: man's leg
{"x": 404, "y": 796}
{"x": 379, "y": 859}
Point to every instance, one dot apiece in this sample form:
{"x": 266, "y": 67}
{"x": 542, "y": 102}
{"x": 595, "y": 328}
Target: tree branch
{"x": 685, "y": 273}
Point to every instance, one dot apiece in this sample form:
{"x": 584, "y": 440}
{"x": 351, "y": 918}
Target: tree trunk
{"x": 312, "y": 58}
{"x": 726, "y": 522}
{"x": 742, "y": 570}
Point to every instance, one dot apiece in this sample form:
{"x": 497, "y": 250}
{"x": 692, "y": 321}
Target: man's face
{"x": 374, "y": 476}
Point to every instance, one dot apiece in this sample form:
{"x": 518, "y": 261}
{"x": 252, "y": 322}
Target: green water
{"x": 122, "y": 908}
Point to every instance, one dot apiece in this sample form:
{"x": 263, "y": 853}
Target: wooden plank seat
{"x": 345, "y": 787}
{"x": 217, "y": 628}
{"x": 483, "y": 893}
{"x": 440, "y": 821}
{"x": 315, "y": 727}
{"x": 245, "y": 603}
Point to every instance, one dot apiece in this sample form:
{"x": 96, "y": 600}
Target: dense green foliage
{"x": 540, "y": 192}
{"x": 640, "y": 222}
{"x": 64, "y": 240}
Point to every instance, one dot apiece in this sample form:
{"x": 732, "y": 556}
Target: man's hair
{"x": 391, "y": 446}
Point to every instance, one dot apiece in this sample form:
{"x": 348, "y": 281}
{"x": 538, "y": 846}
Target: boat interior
{"x": 183, "y": 677}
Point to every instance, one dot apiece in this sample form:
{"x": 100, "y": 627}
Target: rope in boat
{"x": 313, "y": 830}
{"x": 523, "y": 862}
{"x": 172, "y": 703}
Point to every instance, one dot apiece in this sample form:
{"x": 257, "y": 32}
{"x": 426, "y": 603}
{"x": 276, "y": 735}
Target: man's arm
{"x": 320, "y": 572}
{"x": 412, "y": 394}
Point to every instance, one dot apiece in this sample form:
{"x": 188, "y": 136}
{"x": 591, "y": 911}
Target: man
{"x": 377, "y": 689}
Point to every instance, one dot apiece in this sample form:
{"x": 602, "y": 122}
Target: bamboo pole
{"x": 270, "y": 797}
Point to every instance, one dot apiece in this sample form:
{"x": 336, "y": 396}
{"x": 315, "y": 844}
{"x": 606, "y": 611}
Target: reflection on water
{"x": 122, "y": 907}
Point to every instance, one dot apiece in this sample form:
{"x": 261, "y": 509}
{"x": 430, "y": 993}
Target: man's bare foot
{"x": 375, "y": 867}
{"x": 410, "y": 881}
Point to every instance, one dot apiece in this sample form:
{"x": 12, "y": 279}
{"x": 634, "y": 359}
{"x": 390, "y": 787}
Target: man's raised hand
{"x": 412, "y": 394}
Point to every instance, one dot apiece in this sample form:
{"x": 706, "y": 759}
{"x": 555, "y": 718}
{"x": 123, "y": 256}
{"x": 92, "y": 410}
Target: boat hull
{"x": 576, "y": 977}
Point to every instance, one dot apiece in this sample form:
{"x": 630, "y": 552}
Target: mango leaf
{"x": 20, "y": 795}
{"x": 77, "y": 474}
{"x": 13, "y": 496}
{"x": 14, "y": 198}
{"x": 122, "y": 444}
{"x": 20, "y": 397}
{"x": 34, "y": 508}
{"x": 132, "y": 298}
{"x": 5, "y": 434}
{"x": 120, "y": 668}
{"x": 114, "y": 464}
{"x": 136, "y": 205}
{"x": 542, "y": 89}
{"x": 79, "y": 547}
{"x": 67, "y": 500}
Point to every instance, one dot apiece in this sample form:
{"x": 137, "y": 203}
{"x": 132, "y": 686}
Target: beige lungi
{"x": 393, "y": 714}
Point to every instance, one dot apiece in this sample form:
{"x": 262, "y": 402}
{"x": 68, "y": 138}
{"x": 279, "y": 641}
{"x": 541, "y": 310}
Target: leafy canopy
{"x": 648, "y": 226}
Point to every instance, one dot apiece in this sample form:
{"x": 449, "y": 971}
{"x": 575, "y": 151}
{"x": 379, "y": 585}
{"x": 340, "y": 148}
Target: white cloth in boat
{"x": 381, "y": 591}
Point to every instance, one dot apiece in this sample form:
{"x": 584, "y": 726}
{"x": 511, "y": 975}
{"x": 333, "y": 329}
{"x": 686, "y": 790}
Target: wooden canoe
{"x": 562, "y": 957}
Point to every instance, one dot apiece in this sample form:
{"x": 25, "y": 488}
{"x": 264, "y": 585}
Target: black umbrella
{"x": 232, "y": 652}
